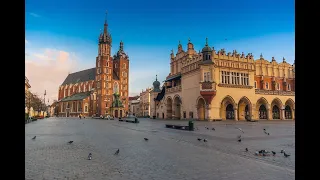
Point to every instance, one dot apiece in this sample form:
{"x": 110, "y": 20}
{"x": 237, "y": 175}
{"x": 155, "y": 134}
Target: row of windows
{"x": 75, "y": 90}
{"x": 124, "y": 74}
{"x": 267, "y": 87}
{"x": 124, "y": 66}
{"x": 234, "y": 78}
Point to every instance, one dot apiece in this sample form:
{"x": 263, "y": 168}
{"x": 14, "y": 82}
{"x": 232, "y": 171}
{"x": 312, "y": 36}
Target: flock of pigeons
{"x": 90, "y": 154}
{"x": 257, "y": 153}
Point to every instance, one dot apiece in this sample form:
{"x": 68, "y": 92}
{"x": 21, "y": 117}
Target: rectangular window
{"x": 241, "y": 77}
{"x": 255, "y": 84}
{"x": 232, "y": 78}
{"x": 205, "y": 77}
{"x": 184, "y": 115}
{"x": 238, "y": 79}
{"x": 222, "y": 77}
{"x": 228, "y": 78}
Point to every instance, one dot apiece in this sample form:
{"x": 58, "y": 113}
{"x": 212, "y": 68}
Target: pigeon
{"x": 204, "y": 140}
{"x": 90, "y": 156}
{"x": 286, "y": 155}
{"x": 274, "y": 153}
{"x": 268, "y": 134}
{"x": 240, "y": 130}
{"x": 146, "y": 139}
{"x": 199, "y": 139}
{"x": 34, "y": 137}
{"x": 239, "y": 140}
{"x": 70, "y": 142}
{"x": 117, "y": 152}
{"x": 264, "y": 129}
{"x": 282, "y": 151}
{"x": 247, "y": 150}
{"x": 213, "y": 129}
{"x": 207, "y": 128}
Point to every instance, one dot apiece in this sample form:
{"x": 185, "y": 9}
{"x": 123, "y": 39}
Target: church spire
{"x": 105, "y": 24}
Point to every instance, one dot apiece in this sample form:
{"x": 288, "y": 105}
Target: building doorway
{"x": 201, "y": 109}
{"x": 116, "y": 114}
{"x": 263, "y": 112}
{"x": 229, "y": 112}
{"x": 288, "y": 112}
{"x": 275, "y": 112}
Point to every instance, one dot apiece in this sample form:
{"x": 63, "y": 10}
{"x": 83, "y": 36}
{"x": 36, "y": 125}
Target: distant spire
{"x": 121, "y": 45}
{"x": 106, "y": 19}
{"x": 206, "y": 41}
{"x": 189, "y": 40}
{"x": 156, "y": 77}
{"x": 105, "y": 25}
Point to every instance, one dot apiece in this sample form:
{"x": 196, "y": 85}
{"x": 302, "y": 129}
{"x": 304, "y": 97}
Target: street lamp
{"x": 44, "y": 100}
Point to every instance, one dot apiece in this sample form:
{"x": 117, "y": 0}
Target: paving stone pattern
{"x": 168, "y": 155}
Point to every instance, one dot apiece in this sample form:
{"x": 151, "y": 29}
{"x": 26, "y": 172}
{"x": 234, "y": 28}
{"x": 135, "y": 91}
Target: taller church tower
{"x": 104, "y": 71}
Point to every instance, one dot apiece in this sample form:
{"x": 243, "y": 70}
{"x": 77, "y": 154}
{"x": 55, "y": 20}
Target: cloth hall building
{"x": 220, "y": 85}
{"x": 102, "y": 90}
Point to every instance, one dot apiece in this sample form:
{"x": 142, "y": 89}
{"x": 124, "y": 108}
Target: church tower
{"x": 104, "y": 72}
{"x": 121, "y": 74}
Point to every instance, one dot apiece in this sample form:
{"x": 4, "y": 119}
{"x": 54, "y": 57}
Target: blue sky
{"x": 150, "y": 29}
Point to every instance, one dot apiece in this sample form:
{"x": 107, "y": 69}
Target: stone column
{"x": 293, "y": 114}
{"x": 269, "y": 112}
{"x": 252, "y": 112}
{"x": 282, "y": 115}
{"x": 235, "y": 114}
{"x": 208, "y": 115}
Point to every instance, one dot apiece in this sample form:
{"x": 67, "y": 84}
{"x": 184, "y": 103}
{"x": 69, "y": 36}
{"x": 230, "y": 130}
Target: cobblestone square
{"x": 168, "y": 155}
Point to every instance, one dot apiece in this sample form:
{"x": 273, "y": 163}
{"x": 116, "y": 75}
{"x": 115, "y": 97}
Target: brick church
{"x": 102, "y": 90}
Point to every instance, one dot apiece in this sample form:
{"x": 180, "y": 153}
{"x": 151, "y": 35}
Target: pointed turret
{"x": 105, "y": 36}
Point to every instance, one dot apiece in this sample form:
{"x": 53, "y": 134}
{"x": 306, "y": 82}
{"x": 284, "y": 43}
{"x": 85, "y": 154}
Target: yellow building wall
{"x": 190, "y": 93}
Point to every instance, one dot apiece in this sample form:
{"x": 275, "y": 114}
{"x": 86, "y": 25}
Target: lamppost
{"x": 44, "y": 100}
{"x": 48, "y": 108}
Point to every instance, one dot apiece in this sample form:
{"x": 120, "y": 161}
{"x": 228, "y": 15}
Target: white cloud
{"x": 26, "y": 41}
{"x": 48, "y": 69}
{"x": 34, "y": 14}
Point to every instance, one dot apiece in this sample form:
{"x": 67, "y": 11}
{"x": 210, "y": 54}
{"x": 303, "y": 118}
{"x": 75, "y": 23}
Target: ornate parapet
{"x": 235, "y": 86}
{"x": 173, "y": 89}
{"x": 270, "y": 92}
{"x": 207, "y": 86}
